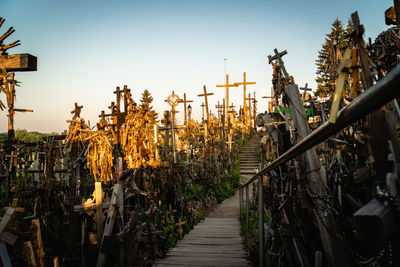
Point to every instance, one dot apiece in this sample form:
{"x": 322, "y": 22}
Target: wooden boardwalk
{"x": 216, "y": 241}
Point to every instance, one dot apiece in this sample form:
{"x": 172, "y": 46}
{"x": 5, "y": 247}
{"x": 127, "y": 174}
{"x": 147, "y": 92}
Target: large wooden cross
{"x": 12, "y": 63}
{"x": 205, "y": 100}
{"x": 244, "y": 83}
{"x": 227, "y": 85}
{"x": 184, "y": 101}
{"x": 278, "y": 56}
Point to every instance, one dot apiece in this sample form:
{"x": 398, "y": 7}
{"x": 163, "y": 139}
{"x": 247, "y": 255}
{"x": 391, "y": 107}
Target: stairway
{"x": 248, "y": 159}
{"x": 216, "y": 241}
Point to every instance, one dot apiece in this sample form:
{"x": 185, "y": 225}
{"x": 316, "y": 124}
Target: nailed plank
{"x": 228, "y": 254}
{"x": 6, "y": 219}
{"x": 20, "y": 62}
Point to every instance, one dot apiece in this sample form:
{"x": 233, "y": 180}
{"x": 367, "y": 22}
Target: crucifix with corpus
{"x": 206, "y": 101}
{"x": 244, "y": 83}
{"x": 184, "y": 101}
{"x": 227, "y": 85}
{"x": 8, "y": 65}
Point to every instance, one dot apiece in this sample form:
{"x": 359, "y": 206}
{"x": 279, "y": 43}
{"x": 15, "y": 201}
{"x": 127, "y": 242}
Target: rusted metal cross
{"x": 205, "y": 100}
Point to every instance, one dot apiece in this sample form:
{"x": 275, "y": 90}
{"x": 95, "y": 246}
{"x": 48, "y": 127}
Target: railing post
{"x": 240, "y": 201}
{"x": 247, "y": 207}
{"x": 261, "y": 219}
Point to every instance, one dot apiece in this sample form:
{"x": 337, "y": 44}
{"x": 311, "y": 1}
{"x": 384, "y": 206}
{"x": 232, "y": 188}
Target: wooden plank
{"x": 5, "y": 258}
{"x": 8, "y": 237}
{"x": 6, "y": 218}
{"x": 206, "y": 261}
{"x": 29, "y": 254}
{"x": 20, "y": 62}
{"x": 229, "y": 254}
{"x": 37, "y": 235}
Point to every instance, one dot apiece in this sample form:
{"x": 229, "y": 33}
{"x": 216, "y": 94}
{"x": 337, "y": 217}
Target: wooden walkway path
{"x": 216, "y": 241}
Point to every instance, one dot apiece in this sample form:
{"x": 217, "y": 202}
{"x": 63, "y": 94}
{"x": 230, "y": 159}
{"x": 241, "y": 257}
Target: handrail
{"x": 375, "y": 97}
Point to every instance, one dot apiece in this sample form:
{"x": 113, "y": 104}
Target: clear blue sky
{"x": 87, "y": 48}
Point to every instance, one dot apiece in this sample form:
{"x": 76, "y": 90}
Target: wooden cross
{"x": 229, "y": 142}
{"x": 219, "y": 108}
{"x": 77, "y": 111}
{"x": 278, "y": 56}
{"x": 250, "y": 99}
{"x": 305, "y": 89}
{"x": 205, "y": 100}
{"x": 127, "y": 97}
{"x": 180, "y": 230}
{"x": 244, "y": 83}
{"x": 118, "y": 94}
{"x": 227, "y": 85}
{"x": 12, "y": 63}
{"x": 254, "y": 110}
{"x": 184, "y": 101}
{"x": 202, "y": 109}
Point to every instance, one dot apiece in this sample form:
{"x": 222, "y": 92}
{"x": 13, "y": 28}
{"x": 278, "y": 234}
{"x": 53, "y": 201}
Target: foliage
{"x": 330, "y": 57}
{"x": 146, "y": 101}
{"x": 25, "y": 136}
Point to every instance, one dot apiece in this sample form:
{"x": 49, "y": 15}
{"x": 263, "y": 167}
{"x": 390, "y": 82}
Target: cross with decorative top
{"x": 219, "y": 108}
{"x": 202, "y": 109}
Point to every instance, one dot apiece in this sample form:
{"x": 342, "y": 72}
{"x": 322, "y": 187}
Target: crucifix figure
{"x": 118, "y": 93}
{"x": 206, "y": 101}
{"x": 305, "y": 89}
{"x": 184, "y": 101}
{"x": 227, "y": 85}
{"x": 244, "y": 83}
{"x": 278, "y": 56}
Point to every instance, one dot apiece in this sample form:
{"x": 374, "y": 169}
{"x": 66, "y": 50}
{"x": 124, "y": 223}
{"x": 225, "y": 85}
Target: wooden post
{"x": 29, "y": 254}
{"x": 5, "y": 258}
{"x": 98, "y": 192}
{"x": 116, "y": 197}
{"x": 37, "y": 239}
